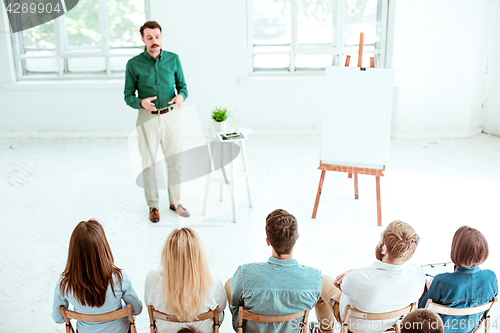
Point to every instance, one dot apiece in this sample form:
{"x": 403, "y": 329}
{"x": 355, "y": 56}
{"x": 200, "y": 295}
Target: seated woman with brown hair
{"x": 184, "y": 286}
{"x": 468, "y": 285}
{"x": 92, "y": 283}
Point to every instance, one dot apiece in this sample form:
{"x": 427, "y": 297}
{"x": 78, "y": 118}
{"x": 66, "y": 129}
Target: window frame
{"x": 63, "y": 52}
{"x": 338, "y": 52}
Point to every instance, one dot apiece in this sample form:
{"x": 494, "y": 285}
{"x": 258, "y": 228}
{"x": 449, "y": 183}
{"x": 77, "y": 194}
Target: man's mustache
{"x": 155, "y": 45}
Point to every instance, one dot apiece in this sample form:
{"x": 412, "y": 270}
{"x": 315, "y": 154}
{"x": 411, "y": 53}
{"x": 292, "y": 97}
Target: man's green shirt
{"x": 150, "y": 77}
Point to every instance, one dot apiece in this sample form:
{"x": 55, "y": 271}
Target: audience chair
{"x": 244, "y": 314}
{"x": 155, "y": 315}
{"x": 441, "y": 309}
{"x": 357, "y": 314}
{"x": 94, "y": 318}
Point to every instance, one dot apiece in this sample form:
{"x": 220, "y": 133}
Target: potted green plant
{"x": 219, "y": 115}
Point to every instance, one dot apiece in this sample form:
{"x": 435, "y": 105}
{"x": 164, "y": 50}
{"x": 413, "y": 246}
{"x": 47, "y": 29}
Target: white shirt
{"x": 380, "y": 288}
{"x": 216, "y": 297}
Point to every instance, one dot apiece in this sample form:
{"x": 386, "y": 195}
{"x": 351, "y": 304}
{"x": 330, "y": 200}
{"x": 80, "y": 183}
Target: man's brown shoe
{"x": 180, "y": 210}
{"x": 154, "y": 214}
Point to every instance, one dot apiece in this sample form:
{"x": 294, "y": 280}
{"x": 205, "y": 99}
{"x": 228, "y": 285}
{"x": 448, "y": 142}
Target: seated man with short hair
{"x": 422, "y": 321}
{"x": 389, "y": 284}
{"x": 279, "y": 286}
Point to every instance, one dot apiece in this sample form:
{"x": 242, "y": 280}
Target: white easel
{"x": 233, "y": 181}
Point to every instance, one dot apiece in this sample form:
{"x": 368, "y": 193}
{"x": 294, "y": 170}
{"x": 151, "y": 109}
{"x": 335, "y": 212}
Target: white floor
{"x": 48, "y": 185}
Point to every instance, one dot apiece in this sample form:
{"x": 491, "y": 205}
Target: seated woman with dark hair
{"x": 468, "y": 285}
{"x": 92, "y": 283}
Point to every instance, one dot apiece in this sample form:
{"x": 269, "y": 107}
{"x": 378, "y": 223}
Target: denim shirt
{"x": 274, "y": 288}
{"x": 124, "y": 295}
{"x": 464, "y": 288}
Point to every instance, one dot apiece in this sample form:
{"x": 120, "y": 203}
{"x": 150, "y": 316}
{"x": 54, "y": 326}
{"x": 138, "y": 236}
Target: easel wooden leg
{"x": 356, "y": 196}
{"x": 379, "y": 205}
{"x": 318, "y": 195}
{"x": 349, "y": 175}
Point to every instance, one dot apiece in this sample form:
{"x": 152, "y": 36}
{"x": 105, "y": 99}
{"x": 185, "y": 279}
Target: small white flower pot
{"x": 220, "y": 126}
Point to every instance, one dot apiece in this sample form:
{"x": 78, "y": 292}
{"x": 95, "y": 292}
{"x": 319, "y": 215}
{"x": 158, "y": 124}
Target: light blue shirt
{"x": 112, "y": 303}
{"x": 274, "y": 288}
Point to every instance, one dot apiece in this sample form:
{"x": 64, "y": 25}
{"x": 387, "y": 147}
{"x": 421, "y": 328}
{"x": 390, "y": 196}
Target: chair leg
{"x": 245, "y": 166}
{"x": 207, "y": 191}
{"x": 234, "y": 196}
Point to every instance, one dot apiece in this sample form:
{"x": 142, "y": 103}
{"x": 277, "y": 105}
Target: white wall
{"x": 6, "y": 64}
{"x": 492, "y": 103}
{"x": 440, "y": 54}
{"x": 210, "y": 39}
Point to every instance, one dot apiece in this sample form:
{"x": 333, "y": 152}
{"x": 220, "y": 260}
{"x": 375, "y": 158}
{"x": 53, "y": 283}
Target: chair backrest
{"x": 486, "y": 308}
{"x": 94, "y": 318}
{"x": 357, "y": 314}
{"x": 244, "y": 314}
{"x": 158, "y": 315}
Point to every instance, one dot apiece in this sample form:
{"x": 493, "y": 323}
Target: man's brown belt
{"x": 164, "y": 110}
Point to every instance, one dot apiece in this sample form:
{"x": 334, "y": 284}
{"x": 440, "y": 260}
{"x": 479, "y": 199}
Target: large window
{"x": 307, "y": 35}
{"x": 94, "y": 39}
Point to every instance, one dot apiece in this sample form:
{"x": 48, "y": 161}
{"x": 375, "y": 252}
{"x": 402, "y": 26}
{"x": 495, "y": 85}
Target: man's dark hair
{"x": 188, "y": 329}
{"x": 282, "y": 231}
{"x": 422, "y": 321}
{"x": 149, "y": 25}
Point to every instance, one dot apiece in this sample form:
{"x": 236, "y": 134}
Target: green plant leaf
{"x": 219, "y": 114}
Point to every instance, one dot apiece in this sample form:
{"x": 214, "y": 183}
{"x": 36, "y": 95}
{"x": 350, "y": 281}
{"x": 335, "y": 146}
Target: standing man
{"x": 156, "y": 75}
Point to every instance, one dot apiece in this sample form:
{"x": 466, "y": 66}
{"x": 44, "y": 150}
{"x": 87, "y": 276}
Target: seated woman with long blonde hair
{"x": 184, "y": 286}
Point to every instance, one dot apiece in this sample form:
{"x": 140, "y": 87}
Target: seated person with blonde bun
{"x": 389, "y": 284}
{"x": 184, "y": 286}
{"x": 468, "y": 285}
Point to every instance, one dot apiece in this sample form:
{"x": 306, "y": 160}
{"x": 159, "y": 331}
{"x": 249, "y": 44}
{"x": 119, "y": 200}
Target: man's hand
{"x": 340, "y": 278}
{"x": 147, "y": 104}
{"x": 178, "y": 100}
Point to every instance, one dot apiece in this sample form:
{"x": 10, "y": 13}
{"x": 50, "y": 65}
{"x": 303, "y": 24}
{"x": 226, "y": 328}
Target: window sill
{"x": 290, "y": 79}
{"x": 65, "y": 85}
